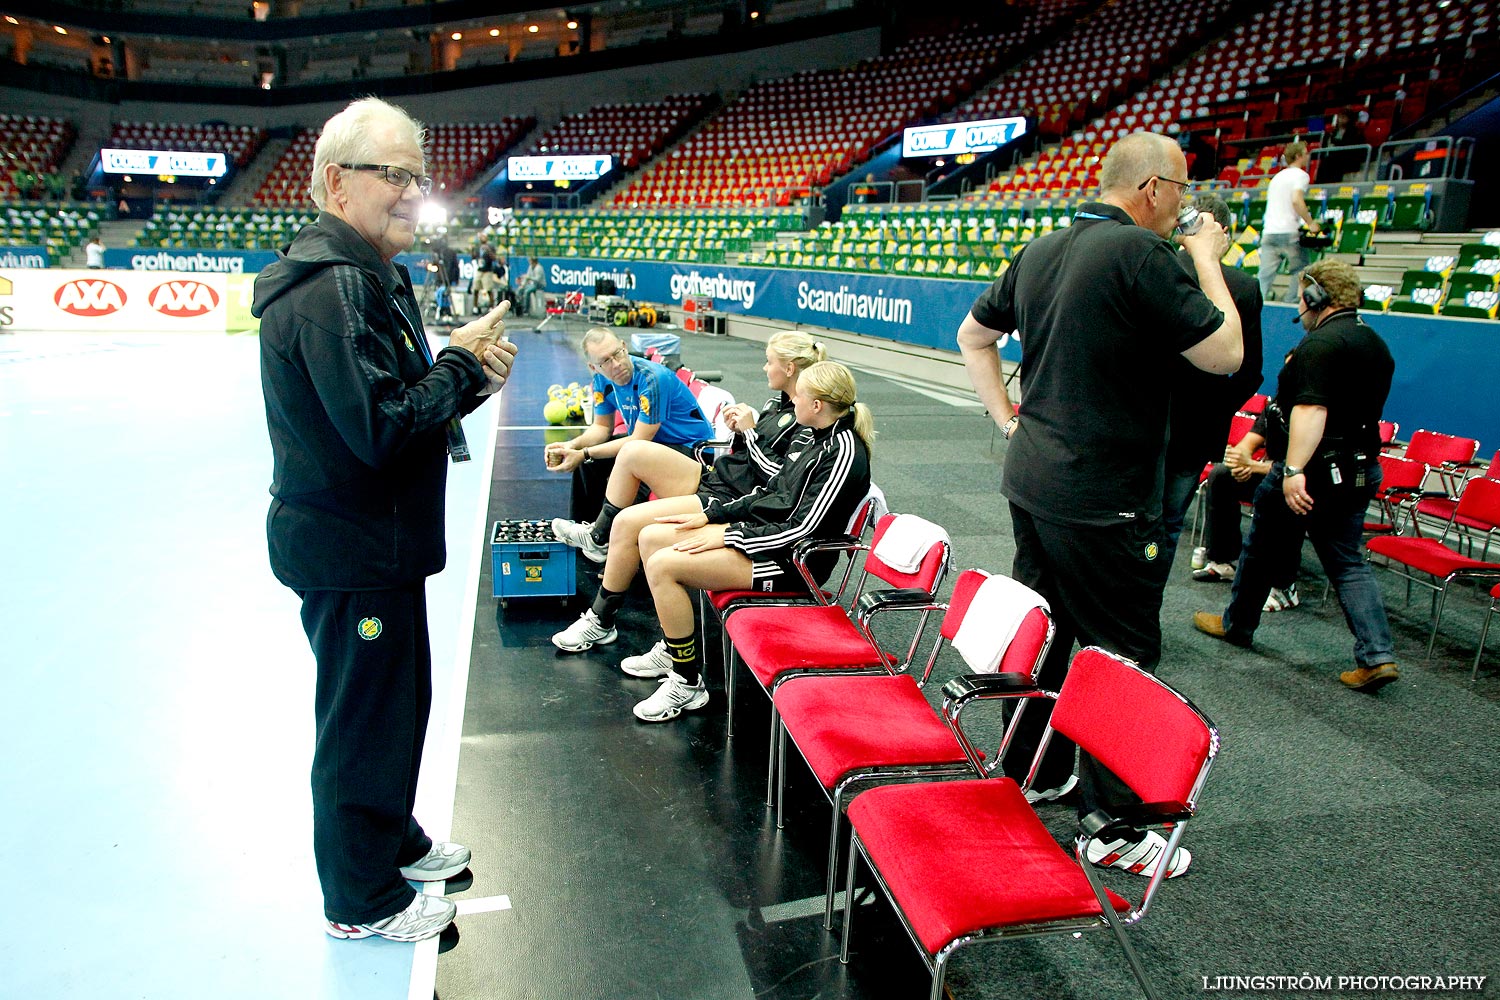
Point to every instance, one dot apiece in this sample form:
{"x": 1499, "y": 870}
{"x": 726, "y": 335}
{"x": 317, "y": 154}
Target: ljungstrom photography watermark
{"x": 1344, "y": 983}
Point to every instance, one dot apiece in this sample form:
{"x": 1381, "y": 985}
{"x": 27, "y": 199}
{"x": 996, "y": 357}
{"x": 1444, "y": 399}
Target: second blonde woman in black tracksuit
{"x": 744, "y": 544}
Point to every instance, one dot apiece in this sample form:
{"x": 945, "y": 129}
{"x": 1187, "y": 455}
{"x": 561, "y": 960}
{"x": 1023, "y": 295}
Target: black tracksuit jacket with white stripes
{"x": 757, "y": 454}
{"x": 814, "y": 495}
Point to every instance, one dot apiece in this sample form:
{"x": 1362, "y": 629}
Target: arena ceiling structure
{"x": 279, "y": 52}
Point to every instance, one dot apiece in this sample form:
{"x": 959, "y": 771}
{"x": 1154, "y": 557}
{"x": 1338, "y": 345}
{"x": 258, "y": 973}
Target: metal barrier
{"x": 1393, "y": 158}
{"x": 1363, "y": 173}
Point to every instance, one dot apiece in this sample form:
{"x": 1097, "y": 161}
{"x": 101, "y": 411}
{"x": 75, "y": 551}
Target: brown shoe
{"x": 1214, "y": 625}
{"x": 1370, "y": 679}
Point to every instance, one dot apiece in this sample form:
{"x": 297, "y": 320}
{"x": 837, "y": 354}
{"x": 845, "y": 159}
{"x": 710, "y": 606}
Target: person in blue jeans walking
{"x": 1323, "y": 438}
{"x": 1286, "y": 213}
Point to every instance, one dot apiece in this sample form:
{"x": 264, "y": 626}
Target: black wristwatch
{"x": 587, "y": 458}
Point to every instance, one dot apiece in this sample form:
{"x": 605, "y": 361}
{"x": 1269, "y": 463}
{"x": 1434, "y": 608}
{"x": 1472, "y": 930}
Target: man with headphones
{"x": 1323, "y": 439}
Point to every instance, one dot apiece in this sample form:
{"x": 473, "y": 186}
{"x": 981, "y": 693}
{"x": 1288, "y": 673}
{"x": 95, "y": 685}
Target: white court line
{"x": 444, "y": 770}
{"x": 926, "y": 389}
{"x": 482, "y": 904}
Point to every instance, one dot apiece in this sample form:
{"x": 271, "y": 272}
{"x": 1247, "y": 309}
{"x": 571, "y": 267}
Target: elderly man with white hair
{"x": 363, "y": 420}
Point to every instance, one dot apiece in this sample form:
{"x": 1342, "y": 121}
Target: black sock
{"x": 603, "y": 521}
{"x": 607, "y": 605}
{"x": 684, "y": 653}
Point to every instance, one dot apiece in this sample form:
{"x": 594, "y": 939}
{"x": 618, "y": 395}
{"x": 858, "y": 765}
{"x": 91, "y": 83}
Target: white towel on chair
{"x": 994, "y": 617}
{"x": 906, "y": 541}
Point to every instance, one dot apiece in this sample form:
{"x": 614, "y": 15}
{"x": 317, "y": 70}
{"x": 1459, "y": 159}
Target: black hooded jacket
{"x": 356, "y": 416}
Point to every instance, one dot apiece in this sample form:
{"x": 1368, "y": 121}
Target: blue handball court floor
{"x": 156, "y": 721}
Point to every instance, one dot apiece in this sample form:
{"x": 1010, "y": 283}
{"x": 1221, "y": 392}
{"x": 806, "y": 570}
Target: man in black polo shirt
{"x": 1102, "y": 308}
{"x": 1323, "y": 437}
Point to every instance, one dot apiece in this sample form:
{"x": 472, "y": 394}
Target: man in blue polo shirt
{"x": 655, "y": 403}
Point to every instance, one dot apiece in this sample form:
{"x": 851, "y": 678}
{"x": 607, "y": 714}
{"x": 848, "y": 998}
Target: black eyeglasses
{"x": 617, "y": 356}
{"x": 1157, "y": 177}
{"x": 399, "y": 176}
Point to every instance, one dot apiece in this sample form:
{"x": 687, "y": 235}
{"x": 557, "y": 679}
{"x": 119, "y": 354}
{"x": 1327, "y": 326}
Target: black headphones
{"x": 1314, "y": 296}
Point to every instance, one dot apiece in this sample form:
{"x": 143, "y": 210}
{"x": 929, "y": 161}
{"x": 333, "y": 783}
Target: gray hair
{"x": 1135, "y": 158}
{"x": 346, "y": 138}
{"x": 597, "y": 335}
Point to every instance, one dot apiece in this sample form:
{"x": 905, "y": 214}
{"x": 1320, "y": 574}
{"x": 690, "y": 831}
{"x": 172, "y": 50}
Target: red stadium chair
{"x": 1445, "y": 453}
{"x": 1418, "y": 559}
{"x": 855, "y": 731}
{"x": 723, "y": 603}
{"x": 1440, "y": 508}
{"x": 774, "y": 641}
{"x": 966, "y": 862}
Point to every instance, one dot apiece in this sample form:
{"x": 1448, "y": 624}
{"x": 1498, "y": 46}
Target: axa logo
{"x": 90, "y": 297}
{"x": 183, "y": 299}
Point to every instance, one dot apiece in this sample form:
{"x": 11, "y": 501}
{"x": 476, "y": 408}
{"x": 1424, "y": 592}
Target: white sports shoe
{"x": 585, "y": 633}
{"x": 1052, "y": 794}
{"x": 672, "y": 698}
{"x": 655, "y": 662}
{"x": 1282, "y": 600}
{"x": 424, "y": 917}
{"x": 581, "y": 537}
{"x": 444, "y": 861}
{"x": 1140, "y": 857}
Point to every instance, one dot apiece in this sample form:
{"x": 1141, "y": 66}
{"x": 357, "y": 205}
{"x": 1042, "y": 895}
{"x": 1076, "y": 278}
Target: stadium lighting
{"x": 105, "y": 39}
{"x": 59, "y": 29}
{"x": 494, "y": 32}
{"x": 432, "y": 214}
{"x": 572, "y": 25}
{"x": 11, "y": 20}
{"x": 532, "y": 28}
{"x": 457, "y": 36}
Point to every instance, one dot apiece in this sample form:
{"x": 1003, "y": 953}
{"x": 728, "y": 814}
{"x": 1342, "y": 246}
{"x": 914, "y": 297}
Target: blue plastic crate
{"x": 527, "y": 560}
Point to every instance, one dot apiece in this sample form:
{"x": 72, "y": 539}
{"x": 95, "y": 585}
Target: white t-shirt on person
{"x": 95, "y": 254}
{"x": 1281, "y": 217}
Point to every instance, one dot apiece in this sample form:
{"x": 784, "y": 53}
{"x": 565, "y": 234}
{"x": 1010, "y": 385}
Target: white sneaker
{"x": 581, "y": 537}
{"x": 1139, "y": 857}
{"x": 444, "y": 861}
{"x": 1282, "y": 600}
{"x": 1213, "y": 572}
{"x": 672, "y": 698}
{"x": 424, "y": 917}
{"x": 1052, "y": 794}
{"x": 584, "y": 634}
{"x": 1200, "y": 557}
{"x": 655, "y": 662}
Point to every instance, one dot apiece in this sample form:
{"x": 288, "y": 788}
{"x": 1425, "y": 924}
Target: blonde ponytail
{"x": 834, "y": 384}
{"x": 797, "y": 349}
